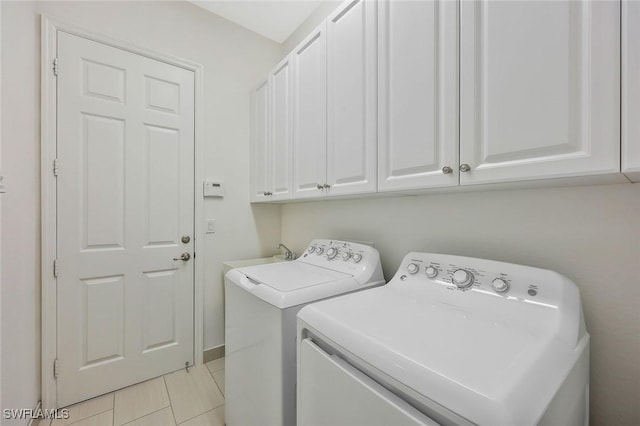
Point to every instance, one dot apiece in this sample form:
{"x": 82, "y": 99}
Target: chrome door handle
{"x": 184, "y": 256}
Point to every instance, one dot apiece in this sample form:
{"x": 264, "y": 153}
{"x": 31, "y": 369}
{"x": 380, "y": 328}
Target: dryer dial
{"x": 462, "y": 278}
{"x": 331, "y": 253}
{"x": 413, "y": 268}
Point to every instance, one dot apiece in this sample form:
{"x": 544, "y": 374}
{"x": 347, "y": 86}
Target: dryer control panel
{"x": 458, "y": 274}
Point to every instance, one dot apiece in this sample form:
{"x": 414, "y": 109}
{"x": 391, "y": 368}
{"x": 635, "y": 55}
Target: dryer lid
{"x": 291, "y": 276}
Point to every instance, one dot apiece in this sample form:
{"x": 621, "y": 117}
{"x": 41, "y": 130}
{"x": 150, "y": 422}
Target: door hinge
{"x": 55, "y": 67}
{"x": 55, "y": 167}
{"x": 55, "y": 368}
{"x": 55, "y": 268}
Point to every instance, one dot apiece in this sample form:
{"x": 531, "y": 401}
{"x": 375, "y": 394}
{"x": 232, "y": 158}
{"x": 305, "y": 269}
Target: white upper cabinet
{"x": 260, "y": 155}
{"x": 310, "y": 115}
{"x": 280, "y": 83}
{"x": 417, "y": 94}
{"x": 539, "y": 89}
{"x": 351, "y": 98}
{"x": 631, "y": 89}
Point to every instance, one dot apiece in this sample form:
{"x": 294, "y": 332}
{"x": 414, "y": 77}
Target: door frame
{"x": 48, "y": 194}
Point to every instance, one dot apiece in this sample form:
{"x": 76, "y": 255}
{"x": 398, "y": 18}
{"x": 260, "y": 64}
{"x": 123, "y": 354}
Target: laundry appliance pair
{"x": 449, "y": 340}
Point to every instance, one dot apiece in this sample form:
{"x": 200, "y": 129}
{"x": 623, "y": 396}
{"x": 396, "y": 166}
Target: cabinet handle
{"x": 320, "y": 187}
{"x": 465, "y": 168}
{"x": 264, "y": 193}
{"x": 327, "y": 186}
{"x": 446, "y": 170}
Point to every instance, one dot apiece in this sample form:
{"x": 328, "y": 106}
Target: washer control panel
{"x": 464, "y": 274}
{"x": 340, "y": 255}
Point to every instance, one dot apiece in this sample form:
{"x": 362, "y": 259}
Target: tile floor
{"x": 190, "y": 399}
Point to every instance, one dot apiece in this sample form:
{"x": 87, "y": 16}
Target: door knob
{"x": 464, "y": 168}
{"x": 320, "y": 186}
{"x": 446, "y": 170}
{"x": 184, "y": 256}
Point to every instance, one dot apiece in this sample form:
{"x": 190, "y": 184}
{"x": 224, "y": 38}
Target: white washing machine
{"x": 450, "y": 340}
{"x": 261, "y": 303}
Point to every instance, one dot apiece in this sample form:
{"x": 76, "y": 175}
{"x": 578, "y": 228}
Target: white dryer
{"x": 450, "y": 340}
{"x": 261, "y": 303}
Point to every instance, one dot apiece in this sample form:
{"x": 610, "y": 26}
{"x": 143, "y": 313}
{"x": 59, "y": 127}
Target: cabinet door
{"x": 310, "y": 115}
{"x": 539, "y": 89}
{"x": 417, "y": 94}
{"x": 280, "y": 113}
{"x": 260, "y": 156}
{"x": 631, "y": 90}
{"x": 351, "y": 98}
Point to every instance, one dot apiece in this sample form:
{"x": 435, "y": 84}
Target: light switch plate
{"x": 211, "y": 226}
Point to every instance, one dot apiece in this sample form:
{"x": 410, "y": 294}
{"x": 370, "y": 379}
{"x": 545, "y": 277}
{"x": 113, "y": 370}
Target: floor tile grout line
{"x": 198, "y": 415}
{"x": 148, "y": 414}
{"x": 164, "y": 380}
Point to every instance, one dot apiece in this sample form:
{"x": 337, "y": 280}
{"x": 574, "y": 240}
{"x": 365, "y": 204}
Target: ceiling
{"x": 274, "y": 19}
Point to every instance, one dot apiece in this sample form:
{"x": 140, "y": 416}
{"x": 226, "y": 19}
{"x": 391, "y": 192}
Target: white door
{"x": 125, "y": 198}
{"x": 351, "y": 98}
{"x": 417, "y": 94}
{"x": 310, "y": 115}
{"x": 280, "y": 141}
{"x": 631, "y": 89}
{"x": 260, "y": 158}
{"x": 539, "y": 89}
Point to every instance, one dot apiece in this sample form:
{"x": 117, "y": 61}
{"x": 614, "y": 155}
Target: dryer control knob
{"x": 431, "y": 272}
{"x": 346, "y": 255}
{"x": 319, "y": 250}
{"x": 500, "y": 285}
{"x": 357, "y": 257}
{"x": 331, "y": 253}
{"x": 413, "y": 268}
{"x": 462, "y": 278}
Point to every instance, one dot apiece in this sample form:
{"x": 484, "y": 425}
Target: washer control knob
{"x": 500, "y": 285}
{"x": 331, "y": 253}
{"x": 357, "y": 257}
{"x": 413, "y": 268}
{"x": 311, "y": 249}
{"x": 462, "y": 278}
{"x": 431, "y": 272}
{"x": 346, "y": 255}
{"x": 319, "y": 250}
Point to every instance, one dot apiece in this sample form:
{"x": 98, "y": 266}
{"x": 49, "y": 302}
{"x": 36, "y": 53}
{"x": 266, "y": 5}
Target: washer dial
{"x": 413, "y": 268}
{"x": 311, "y": 249}
{"x": 462, "y": 278}
{"x": 331, "y": 253}
{"x": 357, "y": 257}
{"x": 346, "y": 255}
{"x": 319, "y": 250}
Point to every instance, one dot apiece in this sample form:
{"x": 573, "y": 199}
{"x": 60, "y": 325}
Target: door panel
{"x": 281, "y": 144}
{"x": 532, "y": 83}
{"x": 125, "y": 197}
{"x": 417, "y": 94}
{"x": 260, "y": 152}
{"x": 310, "y": 115}
{"x": 351, "y": 97}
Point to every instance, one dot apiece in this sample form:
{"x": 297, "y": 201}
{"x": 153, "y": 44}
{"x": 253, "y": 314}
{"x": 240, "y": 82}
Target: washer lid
{"x": 291, "y": 276}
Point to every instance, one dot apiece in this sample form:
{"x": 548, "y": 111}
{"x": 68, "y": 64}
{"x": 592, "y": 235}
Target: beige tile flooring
{"x": 195, "y": 398}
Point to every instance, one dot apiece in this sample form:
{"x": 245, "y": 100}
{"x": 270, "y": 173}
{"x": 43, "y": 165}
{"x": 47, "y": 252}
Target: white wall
{"x": 590, "y": 234}
{"x": 234, "y": 60}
